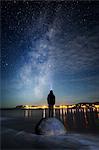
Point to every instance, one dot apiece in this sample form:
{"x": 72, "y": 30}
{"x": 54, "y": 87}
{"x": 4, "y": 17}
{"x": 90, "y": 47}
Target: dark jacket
{"x": 51, "y": 98}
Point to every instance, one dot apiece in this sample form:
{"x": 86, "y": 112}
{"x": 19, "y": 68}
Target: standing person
{"x": 51, "y": 103}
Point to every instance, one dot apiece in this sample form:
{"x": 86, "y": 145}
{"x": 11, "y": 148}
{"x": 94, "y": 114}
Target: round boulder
{"x": 50, "y": 126}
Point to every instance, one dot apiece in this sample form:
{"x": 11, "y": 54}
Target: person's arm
{"x": 48, "y": 99}
{"x": 54, "y": 100}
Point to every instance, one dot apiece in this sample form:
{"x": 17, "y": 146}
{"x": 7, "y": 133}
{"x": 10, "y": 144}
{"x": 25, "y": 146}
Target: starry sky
{"x": 49, "y": 45}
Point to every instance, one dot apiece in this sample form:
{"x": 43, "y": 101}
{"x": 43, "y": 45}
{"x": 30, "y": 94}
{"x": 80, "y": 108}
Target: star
{"x": 50, "y": 44}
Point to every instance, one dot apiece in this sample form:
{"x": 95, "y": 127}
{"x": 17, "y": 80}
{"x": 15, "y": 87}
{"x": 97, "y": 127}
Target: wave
{"x": 4, "y": 118}
{"x": 22, "y": 139}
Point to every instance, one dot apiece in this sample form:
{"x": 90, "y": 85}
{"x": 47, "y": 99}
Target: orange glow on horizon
{"x": 58, "y": 107}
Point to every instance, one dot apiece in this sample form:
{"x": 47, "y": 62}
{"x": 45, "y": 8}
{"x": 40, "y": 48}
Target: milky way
{"x": 49, "y": 45}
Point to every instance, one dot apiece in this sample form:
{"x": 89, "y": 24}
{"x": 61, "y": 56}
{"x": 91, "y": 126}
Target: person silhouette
{"x": 51, "y": 103}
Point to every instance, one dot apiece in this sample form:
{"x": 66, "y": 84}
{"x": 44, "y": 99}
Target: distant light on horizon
{"x": 83, "y": 106}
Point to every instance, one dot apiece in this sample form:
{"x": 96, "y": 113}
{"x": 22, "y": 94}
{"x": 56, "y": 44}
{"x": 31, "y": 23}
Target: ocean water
{"x": 18, "y": 131}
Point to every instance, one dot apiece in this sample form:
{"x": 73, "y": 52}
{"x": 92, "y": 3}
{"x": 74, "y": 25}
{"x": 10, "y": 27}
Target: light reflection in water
{"x": 43, "y": 113}
{"x": 60, "y": 112}
{"x": 27, "y": 113}
{"x": 74, "y": 118}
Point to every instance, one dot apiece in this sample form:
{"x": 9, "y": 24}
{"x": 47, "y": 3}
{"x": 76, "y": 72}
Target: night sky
{"x": 49, "y": 45}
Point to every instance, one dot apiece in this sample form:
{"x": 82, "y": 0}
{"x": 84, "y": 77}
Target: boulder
{"x": 50, "y": 126}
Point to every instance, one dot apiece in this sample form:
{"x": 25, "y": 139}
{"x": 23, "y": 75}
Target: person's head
{"x": 51, "y": 92}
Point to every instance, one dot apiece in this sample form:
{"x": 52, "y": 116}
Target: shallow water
{"x": 18, "y": 132}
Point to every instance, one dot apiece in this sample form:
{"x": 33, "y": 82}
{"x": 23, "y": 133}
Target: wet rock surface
{"x": 50, "y": 126}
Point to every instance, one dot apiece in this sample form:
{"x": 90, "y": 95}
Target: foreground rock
{"x": 50, "y": 126}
